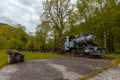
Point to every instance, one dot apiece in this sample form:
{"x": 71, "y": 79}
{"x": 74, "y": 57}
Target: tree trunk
{"x": 60, "y": 39}
{"x": 55, "y": 45}
{"x": 104, "y": 31}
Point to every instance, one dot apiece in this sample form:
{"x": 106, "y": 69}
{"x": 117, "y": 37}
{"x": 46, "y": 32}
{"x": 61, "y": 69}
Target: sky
{"x": 24, "y": 12}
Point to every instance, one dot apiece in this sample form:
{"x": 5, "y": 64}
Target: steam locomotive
{"x": 82, "y": 44}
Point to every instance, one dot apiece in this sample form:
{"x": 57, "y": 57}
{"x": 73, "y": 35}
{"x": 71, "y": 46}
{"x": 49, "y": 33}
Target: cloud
{"x": 25, "y": 12}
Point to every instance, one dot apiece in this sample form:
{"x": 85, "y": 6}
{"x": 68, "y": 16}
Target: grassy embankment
{"x": 114, "y": 57}
{"x": 28, "y": 56}
{"x": 3, "y": 59}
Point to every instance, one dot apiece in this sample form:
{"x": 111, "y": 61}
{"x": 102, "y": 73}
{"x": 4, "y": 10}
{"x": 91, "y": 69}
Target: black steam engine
{"x": 82, "y": 44}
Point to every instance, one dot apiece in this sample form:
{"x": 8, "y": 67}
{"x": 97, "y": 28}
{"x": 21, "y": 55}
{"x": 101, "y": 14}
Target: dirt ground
{"x": 52, "y": 69}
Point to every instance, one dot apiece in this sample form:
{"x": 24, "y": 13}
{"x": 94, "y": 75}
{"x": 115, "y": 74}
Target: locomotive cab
{"x": 69, "y": 43}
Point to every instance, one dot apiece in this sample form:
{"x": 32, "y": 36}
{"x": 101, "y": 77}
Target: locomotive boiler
{"x": 82, "y": 44}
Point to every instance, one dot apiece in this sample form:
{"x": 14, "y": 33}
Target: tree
{"x": 30, "y": 43}
{"x": 85, "y": 10}
{"x": 102, "y": 18}
{"x": 104, "y": 5}
{"x": 42, "y": 33}
{"x": 56, "y": 13}
{"x": 12, "y": 37}
{"x": 14, "y": 44}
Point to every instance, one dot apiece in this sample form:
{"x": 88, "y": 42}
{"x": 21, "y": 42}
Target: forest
{"x": 62, "y": 18}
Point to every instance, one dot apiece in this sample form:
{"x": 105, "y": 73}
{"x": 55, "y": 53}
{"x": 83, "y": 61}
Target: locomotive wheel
{"x": 81, "y": 52}
{"x": 73, "y": 51}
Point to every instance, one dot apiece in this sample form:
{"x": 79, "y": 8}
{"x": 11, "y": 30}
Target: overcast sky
{"x": 25, "y": 12}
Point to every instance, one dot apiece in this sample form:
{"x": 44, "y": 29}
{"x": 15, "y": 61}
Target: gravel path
{"x": 52, "y": 69}
{"x": 110, "y": 74}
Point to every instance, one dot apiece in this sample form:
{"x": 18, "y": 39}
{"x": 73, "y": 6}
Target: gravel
{"x": 52, "y": 69}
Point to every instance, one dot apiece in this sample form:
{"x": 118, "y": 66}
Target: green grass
{"x": 3, "y": 58}
{"x": 28, "y": 56}
{"x": 39, "y": 55}
{"x": 111, "y": 56}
